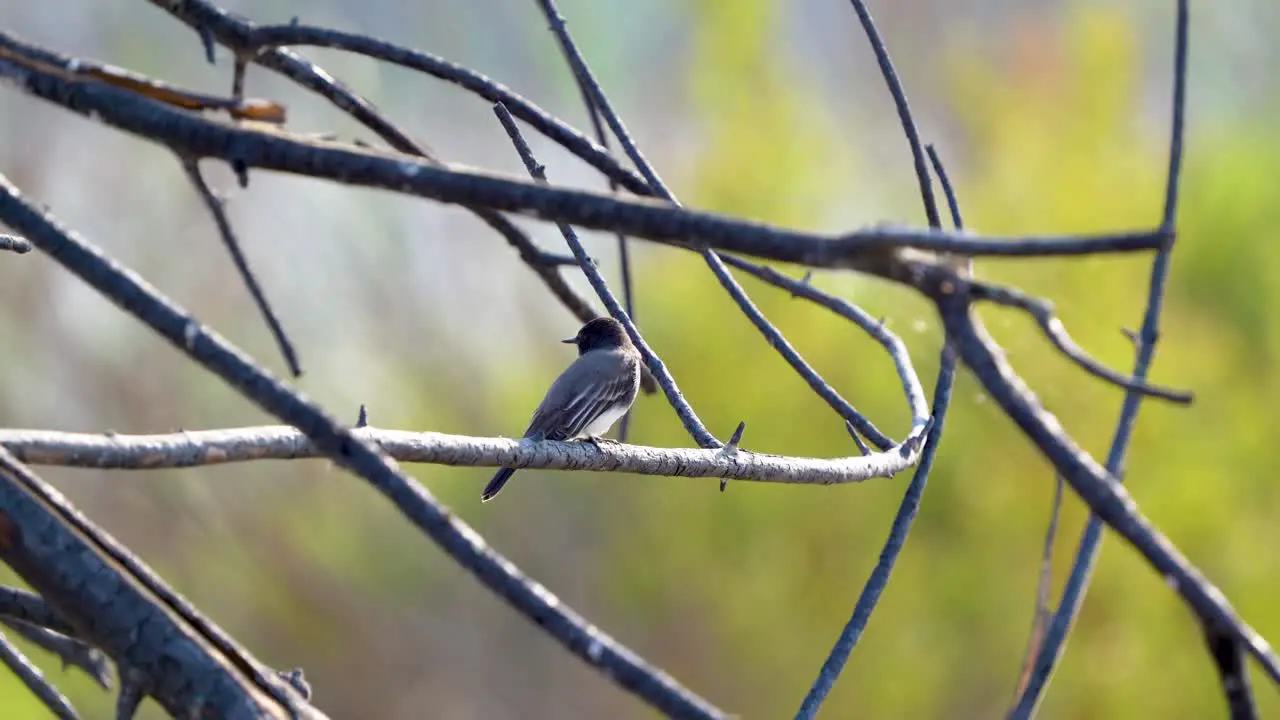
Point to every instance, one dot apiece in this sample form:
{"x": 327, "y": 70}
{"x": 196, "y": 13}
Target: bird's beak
{"x": 570, "y": 341}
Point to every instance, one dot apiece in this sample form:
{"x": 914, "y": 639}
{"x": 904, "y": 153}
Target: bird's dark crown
{"x": 602, "y": 332}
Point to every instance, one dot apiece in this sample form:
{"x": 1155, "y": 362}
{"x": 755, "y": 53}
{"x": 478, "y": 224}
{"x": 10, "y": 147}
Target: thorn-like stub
{"x": 806, "y": 280}
{"x": 731, "y": 449}
{"x": 857, "y": 439}
{"x": 917, "y": 442}
{"x": 737, "y": 437}
{"x": 297, "y": 680}
{"x": 206, "y": 40}
{"x": 362, "y": 420}
{"x": 242, "y": 172}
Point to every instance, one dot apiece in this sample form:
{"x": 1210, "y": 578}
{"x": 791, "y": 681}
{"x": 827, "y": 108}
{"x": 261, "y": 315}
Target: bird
{"x": 593, "y": 393}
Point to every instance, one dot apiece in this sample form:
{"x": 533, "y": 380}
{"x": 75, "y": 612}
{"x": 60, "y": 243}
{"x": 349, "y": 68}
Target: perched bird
{"x": 593, "y": 393}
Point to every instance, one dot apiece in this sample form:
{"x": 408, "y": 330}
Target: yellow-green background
{"x": 1053, "y": 118}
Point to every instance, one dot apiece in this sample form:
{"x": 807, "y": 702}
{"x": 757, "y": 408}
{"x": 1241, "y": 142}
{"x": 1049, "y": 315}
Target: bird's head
{"x": 601, "y": 333}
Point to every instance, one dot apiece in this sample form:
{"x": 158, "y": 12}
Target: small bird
{"x": 593, "y": 393}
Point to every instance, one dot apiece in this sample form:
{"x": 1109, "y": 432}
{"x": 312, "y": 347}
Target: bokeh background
{"x": 1053, "y": 117}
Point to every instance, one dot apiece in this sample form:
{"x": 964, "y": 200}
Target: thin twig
{"x": 72, "y": 652}
{"x": 857, "y": 439}
{"x": 31, "y": 608}
{"x": 31, "y": 676}
{"x": 624, "y": 250}
{"x": 948, "y": 191}
{"x": 130, "y": 695}
{"x": 683, "y": 410}
{"x": 225, "y": 27}
{"x": 905, "y": 517}
{"x": 271, "y": 36}
{"x": 1087, "y": 551}
{"x": 1056, "y": 332}
{"x": 1041, "y": 613}
{"x": 217, "y": 208}
{"x": 892, "y": 344}
{"x": 256, "y": 109}
{"x": 1233, "y": 673}
{"x": 1099, "y": 489}
{"x": 879, "y": 578}
{"x": 587, "y": 81}
{"x": 903, "y": 109}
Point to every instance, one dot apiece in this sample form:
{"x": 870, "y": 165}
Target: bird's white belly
{"x": 601, "y": 425}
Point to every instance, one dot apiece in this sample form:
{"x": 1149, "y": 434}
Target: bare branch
{"x": 1056, "y": 332}
{"x": 217, "y": 208}
{"x": 1100, "y": 490}
{"x": 227, "y": 28}
{"x": 130, "y": 695}
{"x": 662, "y": 222}
{"x": 892, "y": 344}
{"x": 857, "y": 439}
{"x": 903, "y": 108}
{"x": 834, "y": 665}
{"x": 257, "y": 110}
{"x": 31, "y": 608}
{"x": 953, "y": 203}
{"x": 1229, "y": 660}
{"x": 72, "y": 652}
{"x": 107, "y": 595}
{"x": 1087, "y": 550}
{"x": 1041, "y": 613}
{"x": 494, "y": 92}
{"x": 624, "y": 249}
{"x": 14, "y": 244}
{"x": 198, "y": 448}
{"x": 232, "y": 31}
{"x": 692, "y": 423}
{"x": 897, "y": 539}
{"x": 31, "y": 676}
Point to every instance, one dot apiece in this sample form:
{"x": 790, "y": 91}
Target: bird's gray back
{"x": 598, "y": 380}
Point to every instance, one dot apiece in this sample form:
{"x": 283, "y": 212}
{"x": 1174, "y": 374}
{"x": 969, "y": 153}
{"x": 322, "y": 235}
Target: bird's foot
{"x": 597, "y": 441}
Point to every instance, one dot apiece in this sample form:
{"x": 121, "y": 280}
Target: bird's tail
{"x": 496, "y": 484}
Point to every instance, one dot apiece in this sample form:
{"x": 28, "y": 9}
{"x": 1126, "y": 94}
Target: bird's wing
{"x": 594, "y": 383}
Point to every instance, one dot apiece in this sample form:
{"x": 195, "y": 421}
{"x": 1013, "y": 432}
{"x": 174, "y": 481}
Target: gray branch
{"x": 251, "y": 147}
{"x": 30, "y": 675}
{"x": 72, "y": 652}
{"x": 215, "y": 447}
{"x": 117, "y": 604}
